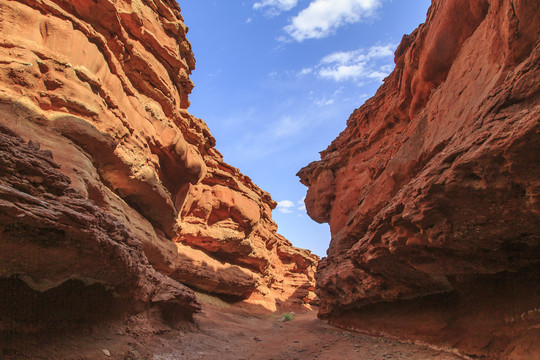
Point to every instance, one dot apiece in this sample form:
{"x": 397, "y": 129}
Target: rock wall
{"x": 432, "y": 192}
{"x": 109, "y": 187}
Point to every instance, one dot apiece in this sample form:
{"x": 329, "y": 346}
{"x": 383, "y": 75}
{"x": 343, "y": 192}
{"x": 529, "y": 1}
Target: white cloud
{"x": 338, "y": 57}
{"x": 322, "y": 17}
{"x": 343, "y": 72}
{"x": 289, "y": 207}
{"x": 275, "y": 7}
{"x": 361, "y": 64}
{"x": 285, "y": 206}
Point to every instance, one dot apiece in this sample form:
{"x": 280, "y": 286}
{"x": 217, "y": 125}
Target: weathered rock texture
{"x": 109, "y": 187}
{"x": 432, "y": 192}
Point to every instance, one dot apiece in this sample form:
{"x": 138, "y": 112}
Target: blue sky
{"x": 276, "y": 81}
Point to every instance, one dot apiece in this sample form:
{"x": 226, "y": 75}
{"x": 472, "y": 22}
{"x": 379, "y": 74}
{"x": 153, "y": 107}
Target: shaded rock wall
{"x": 53, "y": 236}
{"x": 108, "y": 180}
{"x": 433, "y": 187}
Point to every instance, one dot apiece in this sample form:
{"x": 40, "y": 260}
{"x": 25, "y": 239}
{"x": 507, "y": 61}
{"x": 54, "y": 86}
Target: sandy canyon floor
{"x": 233, "y": 336}
{"x": 226, "y": 332}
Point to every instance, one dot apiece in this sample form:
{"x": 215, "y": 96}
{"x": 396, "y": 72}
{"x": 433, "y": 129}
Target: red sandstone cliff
{"x": 432, "y": 192}
{"x": 112, "y": 196}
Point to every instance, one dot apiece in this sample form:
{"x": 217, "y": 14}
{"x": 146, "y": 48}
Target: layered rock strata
{"x": 55, "y": 239}
{"x": 432, "y": 192}
{"x": 109, "y": 186}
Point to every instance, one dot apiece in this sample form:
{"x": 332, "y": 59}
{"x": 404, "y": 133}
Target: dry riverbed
{"x": 231, "y": 333}
{"x": 223, "y": 332}
{"x": 236, "y": 336}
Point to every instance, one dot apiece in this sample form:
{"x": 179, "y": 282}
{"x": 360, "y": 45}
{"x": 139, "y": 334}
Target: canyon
{"x": 124, "y": 234}
{"x": 113, "y": 198}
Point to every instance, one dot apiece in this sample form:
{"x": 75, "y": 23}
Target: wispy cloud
{"x": 289, "y": 207}
{"x": 324, "y": 102}
{"x": 275, "y": 135}
{"x": 331, "y": 99}
{"x": 285, "y": 206}
{"x": 305, "y": 71}
{"x": 287, "y": 126}
{"x": 323, "y": 17}
{"x": 302, "y": 205}
{"x": 275, "y": 7}
{"x": 356, "y": 65}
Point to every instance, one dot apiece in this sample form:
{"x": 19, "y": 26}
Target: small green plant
{"x": 287, "y": 316}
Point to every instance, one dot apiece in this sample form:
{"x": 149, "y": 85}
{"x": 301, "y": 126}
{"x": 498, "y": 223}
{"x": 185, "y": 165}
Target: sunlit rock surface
{"x": 108, "y": 185}
{"x": 432, "y": 192}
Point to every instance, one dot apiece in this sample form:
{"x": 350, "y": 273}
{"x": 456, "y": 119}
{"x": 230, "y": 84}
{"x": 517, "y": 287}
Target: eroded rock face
{"x": 229, "y": 219}
{"x": 433, "y": 187}
{"x": 53, "y": 236}
{"x": 108, "y": 180}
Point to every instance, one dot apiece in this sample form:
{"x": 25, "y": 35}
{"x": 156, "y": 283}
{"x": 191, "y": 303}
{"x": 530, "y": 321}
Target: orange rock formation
{"x": 432, "y": 190}
{"x": 109, "y": 187}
